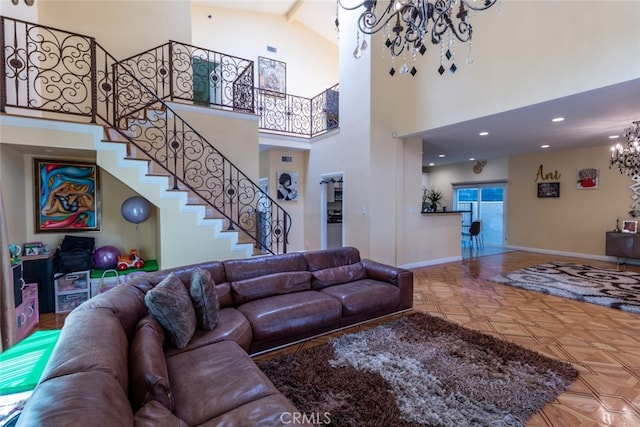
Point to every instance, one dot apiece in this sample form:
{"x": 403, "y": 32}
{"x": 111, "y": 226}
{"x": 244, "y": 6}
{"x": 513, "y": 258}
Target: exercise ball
{"x": 136, "y": 209}
{"x": 106, "y": 257}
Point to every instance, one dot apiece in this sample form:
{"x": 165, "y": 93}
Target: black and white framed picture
{"x": 287, "y": 185}
{"x": 548, "y": 189}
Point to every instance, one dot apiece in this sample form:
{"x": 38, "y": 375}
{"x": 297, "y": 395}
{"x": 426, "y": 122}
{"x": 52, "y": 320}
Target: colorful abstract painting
{"x": 66, "y": 196}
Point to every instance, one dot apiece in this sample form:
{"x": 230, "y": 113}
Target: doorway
{"x": 486, "y": 203}
{"x": 331, "y": 209}
{"x": 206, "y": 82}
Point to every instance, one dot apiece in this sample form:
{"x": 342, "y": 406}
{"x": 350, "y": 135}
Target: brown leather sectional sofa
{"x": 112, "y": 367}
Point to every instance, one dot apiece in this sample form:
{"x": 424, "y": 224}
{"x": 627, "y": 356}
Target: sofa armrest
{"x": 400, "y": 277}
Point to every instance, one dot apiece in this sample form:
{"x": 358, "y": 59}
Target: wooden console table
{"x": 623, "y": 245}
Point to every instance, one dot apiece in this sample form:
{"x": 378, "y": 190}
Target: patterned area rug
{"x": 419, "y": 370}
{"x": 608, "y": 287}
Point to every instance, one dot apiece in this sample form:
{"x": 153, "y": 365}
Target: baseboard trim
{"x": 570, "y": 254}
{"x": 430, "y": 262}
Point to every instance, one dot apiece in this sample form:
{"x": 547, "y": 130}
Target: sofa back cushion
{"x": 169, "y": 302}
{"x": 330, "y": 258}
{"x": 270, "y": 285}
{"x": 149, "y": 379}
{"x": 338, "y": 275}
{"x": 248, "y": 268}
{"x": 91, "y": 340}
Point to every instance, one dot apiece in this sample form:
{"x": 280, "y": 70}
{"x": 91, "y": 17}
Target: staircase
{"x": 147, "y": 144}
{"x": 180, "y": 220}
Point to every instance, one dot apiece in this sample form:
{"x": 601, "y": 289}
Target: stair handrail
{"x": 87, "y": 81}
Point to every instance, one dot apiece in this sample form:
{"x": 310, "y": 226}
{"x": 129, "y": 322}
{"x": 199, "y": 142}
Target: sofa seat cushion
{"x": 274, "y": 410}
{"x": 365, "y": 296}
{"x": 291, "y": 314}
{"x": 270, "y": 285}
{"x": 211, "y": 380}
{"x": 153, "y": 414}
{"x": 232, "y": 326}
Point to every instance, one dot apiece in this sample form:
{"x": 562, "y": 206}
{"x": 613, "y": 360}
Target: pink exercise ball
{"x": 106, "y": 257}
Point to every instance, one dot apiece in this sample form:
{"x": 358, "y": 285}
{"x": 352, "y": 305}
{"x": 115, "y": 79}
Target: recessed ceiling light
{"x": 431, "y": 164}
{"x": 483, "y": 133}
{"x": 472, "y": 159}
{"x": 557, "y": 119}
{"x": 441, "y": 155}
{"x": 614, "y": 136}
{"x": 545, "y": 146}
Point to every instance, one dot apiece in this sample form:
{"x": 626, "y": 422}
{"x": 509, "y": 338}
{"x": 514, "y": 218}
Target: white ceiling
{"x": 590, "y": 117}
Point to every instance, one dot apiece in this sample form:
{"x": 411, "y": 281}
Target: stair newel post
{"x": 229, "y": 193}
{"x": 171, "y": 69}
{"x": 173, "y": 141}
{"x": 114, "y": 77}
{"x": 3, "y": 87}
{"x": 94, "y": 81}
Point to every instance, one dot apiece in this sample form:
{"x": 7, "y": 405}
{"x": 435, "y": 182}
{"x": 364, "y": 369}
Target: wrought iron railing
{"x": 58, "y": 72}
{"x": 289, "y": 114}
{"x": 182, "y": 72}
{"x": 177, "y": 71}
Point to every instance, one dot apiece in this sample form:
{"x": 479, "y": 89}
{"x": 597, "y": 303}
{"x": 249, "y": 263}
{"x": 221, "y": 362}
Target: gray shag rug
{"x": 596, "y": 285}
{"x": 419, "y": 370}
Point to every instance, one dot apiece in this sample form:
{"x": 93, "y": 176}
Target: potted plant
{"x": 431, "y": 198}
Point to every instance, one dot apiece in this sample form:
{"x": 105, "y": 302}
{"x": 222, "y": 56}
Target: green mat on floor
{"x": 21, "y": 365}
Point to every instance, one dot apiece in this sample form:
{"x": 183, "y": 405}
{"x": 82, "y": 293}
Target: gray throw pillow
{"x": 169, "y": 302}
{"x": 205, "y": 299}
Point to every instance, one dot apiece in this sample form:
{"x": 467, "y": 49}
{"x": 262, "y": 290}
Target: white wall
{"x": 311, "y": 60}
{"x": 532, "y": 51}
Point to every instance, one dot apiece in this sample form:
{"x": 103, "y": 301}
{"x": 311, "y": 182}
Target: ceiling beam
{"x": 294, "y": 9}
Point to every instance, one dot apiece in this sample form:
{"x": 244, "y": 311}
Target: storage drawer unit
{"x": 27, "y": 314}
{"x": 71, "y": 289}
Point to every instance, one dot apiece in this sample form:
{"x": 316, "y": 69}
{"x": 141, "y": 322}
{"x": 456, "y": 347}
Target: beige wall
{"x": 270, "y": 164}
{"x": 20, "y": 145}
{"x": 532, "y": 51}
{"x": 575, "y": 222}
{"x": 311, "y": 61}
{"x": 422, "y": 239}
{"x": 442, "y": 178}
{"x": 234, "y": 135}
{"x": 123, "y": 28}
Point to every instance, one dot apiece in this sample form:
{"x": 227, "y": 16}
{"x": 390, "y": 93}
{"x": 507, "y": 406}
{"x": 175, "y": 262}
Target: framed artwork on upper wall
{"x": 548, "y": 189}
{"x": 588, "y": 178}
{"x": 66, "y": 196}
{"x": 287, "y": 185}
{"x": 272, "y": 76}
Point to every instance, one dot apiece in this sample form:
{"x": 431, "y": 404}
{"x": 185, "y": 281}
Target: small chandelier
{"x": 405, "y": 24}
{"x": 626, "y": 158}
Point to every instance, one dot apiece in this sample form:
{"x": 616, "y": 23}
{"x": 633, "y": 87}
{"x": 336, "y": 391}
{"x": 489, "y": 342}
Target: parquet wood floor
{"x": 602, "y": 343}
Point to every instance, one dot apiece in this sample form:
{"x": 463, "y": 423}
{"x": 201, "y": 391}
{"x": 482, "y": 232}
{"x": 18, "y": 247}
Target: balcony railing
{"x": 181, "y": 72}
{"x": 62, "y": 73}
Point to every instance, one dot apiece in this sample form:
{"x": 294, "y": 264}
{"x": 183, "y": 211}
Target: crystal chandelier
{"x": 626, "y": 158}
{"x": 406, "y": 25}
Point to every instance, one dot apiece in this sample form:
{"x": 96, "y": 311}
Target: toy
{"x": 106, "y": 257}
{"x": 132, "y": 260}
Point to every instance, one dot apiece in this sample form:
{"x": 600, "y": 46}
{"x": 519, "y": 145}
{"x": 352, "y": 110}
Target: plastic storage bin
{"x": 72, "y": 289}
